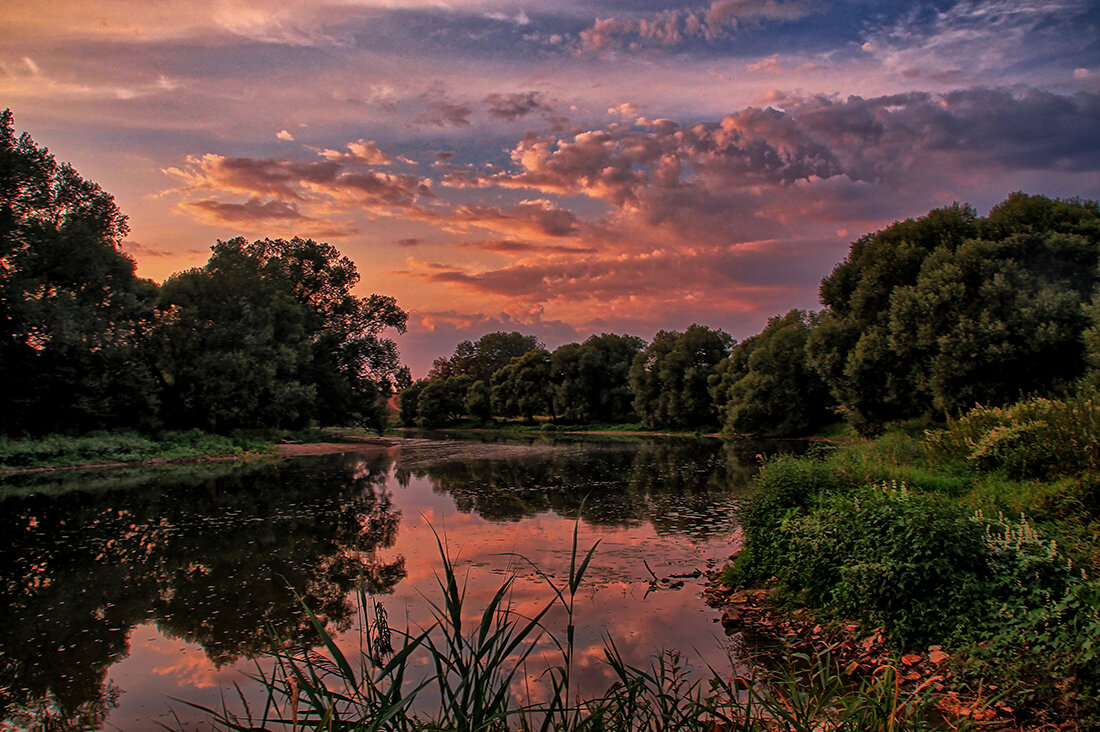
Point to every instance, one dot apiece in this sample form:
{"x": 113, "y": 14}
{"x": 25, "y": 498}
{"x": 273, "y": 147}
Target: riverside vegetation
{"x": 980, "y": 535}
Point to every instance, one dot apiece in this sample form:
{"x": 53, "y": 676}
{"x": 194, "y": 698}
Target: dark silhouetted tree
{"x": 522, "y": 388}
{"x": 72, "y": 313}
{"x": 592, "y": 379}
{"x": 269, "y": 333}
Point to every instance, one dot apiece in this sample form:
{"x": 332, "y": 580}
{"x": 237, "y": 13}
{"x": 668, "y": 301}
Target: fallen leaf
{"x": 911, "y": 658}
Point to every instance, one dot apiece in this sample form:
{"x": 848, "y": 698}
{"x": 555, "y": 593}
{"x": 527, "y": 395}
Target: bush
{"x": 1035, "y": 438}
{"x": 908, "y": 562}
{"x": 785, "y": 487}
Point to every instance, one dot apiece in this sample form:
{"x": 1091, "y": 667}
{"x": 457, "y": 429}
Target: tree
{"x": 482, "y": 358}
{"x": 522, "y": 388}
{"x": 670, "y": 377}
{"x": 442, "y": 401}
{"x": 479, "y": 402}
{"x": 410, "y": 400}
{"x": 592, "y": 379}
{"x": 767, "y": 387}
{"x": 235, "y": 349}
{"x": 934, "y": 315}
{"x": 269, "y": 333}
{"x": 72, "y": 313}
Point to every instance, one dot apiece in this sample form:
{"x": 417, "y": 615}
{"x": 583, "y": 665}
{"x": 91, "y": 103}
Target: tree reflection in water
{"x": 672, "y": 484}
{"x": 213, "y": 557}
{"x": 216, "y": 555}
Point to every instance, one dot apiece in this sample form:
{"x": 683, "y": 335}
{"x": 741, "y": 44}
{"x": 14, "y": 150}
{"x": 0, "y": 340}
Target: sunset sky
{"x": 560, "y": 168}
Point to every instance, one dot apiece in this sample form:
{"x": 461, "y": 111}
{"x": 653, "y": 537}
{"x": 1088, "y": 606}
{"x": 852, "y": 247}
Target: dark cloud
{"x": 539, "y": 218}
{"x": 409, "y": 242}
{"x": 146, "y": 250}
{"x": 511, "y": 107}
{"x": 252, "y": 211}
{"x": 446, "y": 114}
{"x": 343, "y": 178}
{"x": 512, "y": 246}
{"x": 736, "y": 168}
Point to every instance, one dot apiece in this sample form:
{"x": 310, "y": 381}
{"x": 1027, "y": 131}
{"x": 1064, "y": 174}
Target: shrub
{"x": 1035, "y": 438}
{"x": 908, "y": 562}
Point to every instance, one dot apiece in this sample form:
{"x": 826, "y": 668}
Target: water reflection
{"x": 671, "y": 484}
{"x": 216, "y": 555}
{"x": 214, "y": 560}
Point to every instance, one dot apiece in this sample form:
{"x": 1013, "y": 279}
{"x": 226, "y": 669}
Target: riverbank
{"x": 861, "y": 656}
{"x": 126, "y": 449}
{"x": 981, "y": 541}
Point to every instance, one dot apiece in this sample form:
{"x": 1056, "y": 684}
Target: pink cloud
{"x": 672, "y": 27}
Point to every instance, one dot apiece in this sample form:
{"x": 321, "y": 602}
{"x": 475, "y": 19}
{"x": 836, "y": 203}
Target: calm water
{"x": 123, "y": 588}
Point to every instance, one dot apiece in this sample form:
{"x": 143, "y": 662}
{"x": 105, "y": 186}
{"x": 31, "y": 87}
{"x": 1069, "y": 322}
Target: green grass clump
{"x": 121, "y": 447}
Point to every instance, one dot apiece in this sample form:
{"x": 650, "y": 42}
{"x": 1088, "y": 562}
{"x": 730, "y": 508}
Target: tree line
{"x": 922, "y": 320}
{"x": 266, "y": 333}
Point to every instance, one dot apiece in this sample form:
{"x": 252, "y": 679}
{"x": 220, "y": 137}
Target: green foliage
{"x": 478, "y": 402}
{"x": 767, "y": 387}
{"x": 670, "y": 377}
{"x": 937, "y": 314}
{"x": 592, "y": 379}
{"x": 522, "y": 388}
{"x": 1035, "y": 438}
{"x": 442, "y": 401}
{"x": 908, "y": 562}
{"x": 72, "y": 312}
{"x": 885, "y": 533}
{"x": 121, "y": 446}
{"x": 409, "y": 401}
{"x": 484, "y": 357}
{"x": 268, "y": 333}
{"x": 785, "y": 487}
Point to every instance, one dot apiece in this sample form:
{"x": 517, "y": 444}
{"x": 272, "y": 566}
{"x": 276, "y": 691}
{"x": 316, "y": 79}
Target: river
{"x": 126, "y": 588}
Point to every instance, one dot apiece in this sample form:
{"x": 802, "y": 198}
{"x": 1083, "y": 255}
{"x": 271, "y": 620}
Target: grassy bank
{"x": 52, "y": 451}
{"x": 981, "y": 538}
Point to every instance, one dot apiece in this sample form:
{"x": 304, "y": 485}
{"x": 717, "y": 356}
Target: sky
{"x": 563, "y": 168}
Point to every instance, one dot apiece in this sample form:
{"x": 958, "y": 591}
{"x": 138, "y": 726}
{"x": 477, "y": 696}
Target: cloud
{"x": 539, "y": 218}
{"x": 514, "y": 246}
{"x": 343, "y": 177}
{"x": 967, "y": 41}
{"x": 511, "y": 107}
{"x": 253, "y": 211}
{"x": 668, "y": 172}
{"x": 409, "y": 242}
{"x": 147, "y": 250}
{"x": 284, "y": 135}
{"x": 443, "y": 113}
{"x": 667, "y": 28}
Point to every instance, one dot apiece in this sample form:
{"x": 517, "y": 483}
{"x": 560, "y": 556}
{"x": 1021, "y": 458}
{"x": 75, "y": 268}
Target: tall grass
{"x": 1034, "y": 438}
{"x": 455, "y": 676}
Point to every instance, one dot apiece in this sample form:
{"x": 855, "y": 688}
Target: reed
{"x": 470, "y": 672}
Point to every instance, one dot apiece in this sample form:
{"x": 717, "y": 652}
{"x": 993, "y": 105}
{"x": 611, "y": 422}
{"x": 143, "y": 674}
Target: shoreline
{"x": 862, "y": 655}
{"x": 277, "y": 450}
